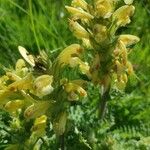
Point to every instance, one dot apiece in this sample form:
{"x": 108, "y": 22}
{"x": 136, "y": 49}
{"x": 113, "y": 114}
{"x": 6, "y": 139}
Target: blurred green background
{"x": 43, "y": 24}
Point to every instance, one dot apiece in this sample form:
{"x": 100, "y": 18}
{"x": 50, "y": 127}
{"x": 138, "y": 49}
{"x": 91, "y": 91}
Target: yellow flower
{"x": 79, "y": 13}
{"x": 128, "y": 39}
{"x": 12, "y": 76}
{"x": 13, "y": 106}
{"x": 78, "y": 30}
{"x": 86, "y": 43}
{"x": 94, "y": 70}
{"x": 122, "y": 15}
{"x": 42, "y": 85}
{"x": 74, "y": 61}
{"x": 22, "y": 84}
{"x": 21, "y": 69}
{"x": 39, "y": 126}
{"x": 100, "y": 33}
{"x": 104, "y": 8}
{"x": 74, "y": 90}
{"x": 80, "y": 3}
{"x": 70, "y": 51}
{"x": 36, "y": 110}
{"x": 83, "y": 66}
{"x": 20, "y": 64}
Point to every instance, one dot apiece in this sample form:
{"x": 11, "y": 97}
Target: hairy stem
{"x": 104, "y": 97}
{"x": 62, "y": 142}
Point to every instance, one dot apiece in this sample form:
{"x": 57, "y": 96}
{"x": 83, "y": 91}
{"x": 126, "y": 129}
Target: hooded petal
{"x": 36, "y": 110}
{"x": 39, "y": 126}
{"x": 128, "y": 39}
{"x": 80, "y": 3}
{"x": 42, "y": 85}
{"x": 78, "y": 30}
{"x": 79, "y": 13}
{"x": 68, "y": 52}
{"x": 104, "y": 8}
{"x": 26, "y": 56}
{"x": 122, "y": 15}
{"x": 13, "y": 106}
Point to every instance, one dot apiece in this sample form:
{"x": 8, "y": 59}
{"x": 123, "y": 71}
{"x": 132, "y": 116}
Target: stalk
{"x": 62, "y": 141}
{"x": 104, "y": 97}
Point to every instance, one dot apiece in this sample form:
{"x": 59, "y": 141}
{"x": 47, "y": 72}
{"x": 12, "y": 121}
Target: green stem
{"x": 62, "y": 142}
{"x": 104, "y": 97}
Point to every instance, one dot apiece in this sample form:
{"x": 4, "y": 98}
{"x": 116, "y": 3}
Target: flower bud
{"x": 78, "y": 30}
{"x": 21, "y": 69}
{"x": 20, "y": 64}
{"x": 82, "y": 92}
{"x": 15, "y": 123}
{"x": 79, "y": 13}
{"x": 85, "y": 68}
{"x": 63, "y": 81}
{"x": 100, "y": 33}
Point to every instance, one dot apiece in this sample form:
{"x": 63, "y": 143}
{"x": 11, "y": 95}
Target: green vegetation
{"x": 43, "y": 24}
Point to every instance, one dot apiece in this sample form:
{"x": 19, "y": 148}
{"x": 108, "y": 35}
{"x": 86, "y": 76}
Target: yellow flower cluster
{"x": 24, "y": 91}
{"x": 96, "y": 25}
